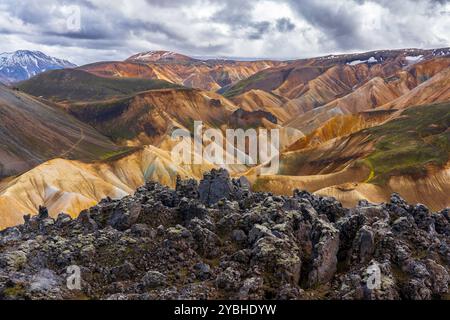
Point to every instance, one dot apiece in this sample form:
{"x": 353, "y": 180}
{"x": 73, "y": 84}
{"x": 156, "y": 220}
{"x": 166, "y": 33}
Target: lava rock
{"x": 154, "y": 279}
{"x": 215, "y": 186}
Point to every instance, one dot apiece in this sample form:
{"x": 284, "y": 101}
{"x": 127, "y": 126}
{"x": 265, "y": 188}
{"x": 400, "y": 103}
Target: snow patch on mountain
{"x": 413, "y": 59}
{"x": 356, "y": 62}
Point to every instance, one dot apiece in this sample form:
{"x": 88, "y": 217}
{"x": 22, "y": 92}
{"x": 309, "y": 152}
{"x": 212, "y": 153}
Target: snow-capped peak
{"x": 24, "y": 64}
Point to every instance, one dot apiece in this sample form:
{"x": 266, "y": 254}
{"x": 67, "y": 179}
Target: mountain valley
{"x": 345, "y": 124}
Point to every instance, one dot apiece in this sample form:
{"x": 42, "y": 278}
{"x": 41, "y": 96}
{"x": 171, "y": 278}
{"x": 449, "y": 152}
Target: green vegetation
{"x": 116, "y": 155}
{"x": 14, "y": 292}
{"x": 404, "y": 146}
{"x": 77, "y": 85}
{"x": 113, "y": 118}
{"x": 240, "y": 87}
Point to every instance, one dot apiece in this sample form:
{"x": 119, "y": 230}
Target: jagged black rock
{"x": 219, "y": 240}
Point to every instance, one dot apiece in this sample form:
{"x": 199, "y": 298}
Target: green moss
{"x": 115, "y": 155}
{"x": 421, "y": 254}
{"x": 239, "y": 87}
{"x": 14, "y": 292}
{"x": 405, "y": 146}
{"x": 214, "y": 263}
{"x": 80, "y": 296}
{"x": 112, "y": 118}
{"x": 259, "y": 185}
{"x": 78, "y": 85}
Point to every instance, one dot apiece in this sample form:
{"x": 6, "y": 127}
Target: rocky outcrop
{"x": 220, "y": 240}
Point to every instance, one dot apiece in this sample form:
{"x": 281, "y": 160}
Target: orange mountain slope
{"x": 209, "y": 75}
{"x": 355, "y": 126}
{"x": 407, "y": 153}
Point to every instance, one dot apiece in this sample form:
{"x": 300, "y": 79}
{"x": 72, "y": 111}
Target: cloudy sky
{"x": 91, "y": 30}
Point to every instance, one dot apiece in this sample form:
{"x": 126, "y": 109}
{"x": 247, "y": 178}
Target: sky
{"x": 85, "y": 31}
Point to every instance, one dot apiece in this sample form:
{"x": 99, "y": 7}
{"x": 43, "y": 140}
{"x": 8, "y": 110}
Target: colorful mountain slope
{"x": 208, "y": 75}
{"x": 32, "y": 132}
{"x": 409, "y": 154}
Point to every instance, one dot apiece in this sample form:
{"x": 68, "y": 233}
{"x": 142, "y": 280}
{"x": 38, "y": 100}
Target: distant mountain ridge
{"x": 160, "y": 56}
{"x": 211, "y": 74}
{"x": 353, "y": 127}
{"x": 24, "y": 64}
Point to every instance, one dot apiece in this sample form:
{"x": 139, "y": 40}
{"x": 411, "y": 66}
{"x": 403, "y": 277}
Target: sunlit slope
{"x": 435, "y": 89}
{"x": 150, "y": 117}
{"x": 423, "y": 83}
{"x": 254, "y": 100}
{"x": 341, "y": 126}
{"x": 71, "y": 186}
{"x": 317, "y": 81}
{"x": 408, "y": 154}
{"x": 210, "y": 75}
{"x": 371, "y": 95}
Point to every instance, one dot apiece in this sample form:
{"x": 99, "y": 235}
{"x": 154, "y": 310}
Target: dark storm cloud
{"x": 237, "y": 14}
{"x": 285, "y": 25}
{"x": 336, "y": 22}
{"x": 259, "y": 29}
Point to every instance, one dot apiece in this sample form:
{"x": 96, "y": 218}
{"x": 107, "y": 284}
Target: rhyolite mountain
{"x": 354, "y": 126}
{"x": 212, "y": 74}
{"x": 32, "y": 132}
{"x": 24, "y": 64}
{"x": 357, "y": 130}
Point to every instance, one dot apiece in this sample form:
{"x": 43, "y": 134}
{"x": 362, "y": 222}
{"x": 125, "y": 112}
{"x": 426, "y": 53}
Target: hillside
{"x": 211, "y": 75}
{"x": 366, "y": 81}
{"x": 348, "y": 127}
{"x": 77, "y": 85}
{"x": 32, "y": 132}
{"x": 422, "y": 83}
{"x": 72, "y": 186}
{"x": 149, "y": 117}
{"x": 409, "y": 154}
{"x": 255, "y": 100}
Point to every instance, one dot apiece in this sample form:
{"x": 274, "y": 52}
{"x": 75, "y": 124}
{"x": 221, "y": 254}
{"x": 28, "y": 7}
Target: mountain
{"x": 318, "y": 81}
{"x": 255, "y": 100}
{"x": 355, "y": 127}
{"x": 149, "y": 117}
{"x": 211, "y": 75}
{"x": 424, "y": 83}
{"x": 161, "y": 56}
{"x": 32, "y": 132}
{"x": 348, "y": 159}
{"x": 71, "y": 186}
{"x": 433, "y": 89}
{"x": 23, "y": 64}
{"x": 77, "y": 85}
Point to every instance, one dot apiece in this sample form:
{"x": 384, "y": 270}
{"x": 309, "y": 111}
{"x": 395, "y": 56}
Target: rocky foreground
{"x": 218, "y": 240}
